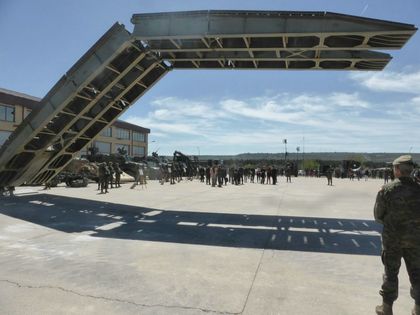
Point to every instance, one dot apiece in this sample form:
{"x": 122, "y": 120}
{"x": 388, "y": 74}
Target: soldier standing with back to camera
{"x": 397, "y": 207}
{"x": 329, "y": 174}
{"x": 118, "y": 173}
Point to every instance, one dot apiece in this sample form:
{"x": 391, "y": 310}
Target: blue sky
{"x": 229, "y": 112}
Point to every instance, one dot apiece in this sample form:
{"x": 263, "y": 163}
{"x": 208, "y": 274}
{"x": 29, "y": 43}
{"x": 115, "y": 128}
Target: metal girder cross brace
{"x": 270, "y": 39}
{"x": 121, "y": 67}
{"x": 110, "y": 77}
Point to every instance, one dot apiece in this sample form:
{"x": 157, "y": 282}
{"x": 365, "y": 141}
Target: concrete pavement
{"x": 299, "y": 248}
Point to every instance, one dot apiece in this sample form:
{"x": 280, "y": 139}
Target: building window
{"x": 138, "y": 151}
{"x": 122, "y": 148}
{"x": 107, "y": 132}
{"x": 123, "y": 134}
{"x": 7, "y": 113}
{"x": 103, "y": 147}
{"x": 3, "y": 136}
{"x": 137, "y": 136}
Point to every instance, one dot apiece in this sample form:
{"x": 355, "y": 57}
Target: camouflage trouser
{"x": 213, "y": 180}
{"x": 392, "y": 262}
{"x": 104, "y": 183}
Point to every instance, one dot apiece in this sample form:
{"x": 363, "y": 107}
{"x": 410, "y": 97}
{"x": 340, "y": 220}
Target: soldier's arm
{"x": 380, "y": 207}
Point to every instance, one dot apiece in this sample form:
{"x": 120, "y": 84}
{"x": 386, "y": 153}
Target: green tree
{"x": 311, "y": 164}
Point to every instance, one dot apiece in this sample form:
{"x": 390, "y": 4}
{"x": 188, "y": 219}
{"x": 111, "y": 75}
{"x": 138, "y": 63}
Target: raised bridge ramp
{"x": 110, "y": 77}
{"x": 120, "y": 67}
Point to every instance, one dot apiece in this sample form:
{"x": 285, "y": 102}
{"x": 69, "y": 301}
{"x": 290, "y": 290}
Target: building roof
{"x": 9, "y": 97}
{"x": 15, "y": 98}
{"x": 123, "y": 124}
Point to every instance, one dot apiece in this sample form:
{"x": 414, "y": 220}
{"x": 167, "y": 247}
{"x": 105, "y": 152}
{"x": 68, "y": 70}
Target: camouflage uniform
{"x": 397, "y": 207}
{"x": 118, "y": 173}
{"x": 103, "y": 177}
{"x": 329, "y": 174}
{"x": 111, "y": 175}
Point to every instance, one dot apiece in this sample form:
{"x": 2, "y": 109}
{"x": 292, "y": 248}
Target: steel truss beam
{"x": 270, "y": 40}
{"x": 110, "y": 77}
{"x": 121, "y": 67}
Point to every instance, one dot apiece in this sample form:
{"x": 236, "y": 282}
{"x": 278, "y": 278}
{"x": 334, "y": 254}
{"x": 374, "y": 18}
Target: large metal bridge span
{"x": 120, "y": 67}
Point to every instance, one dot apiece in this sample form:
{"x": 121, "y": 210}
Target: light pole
{"x": 303, "y": 154}
{"x": 297, "y": 157}
{"x": 285, "y": 149}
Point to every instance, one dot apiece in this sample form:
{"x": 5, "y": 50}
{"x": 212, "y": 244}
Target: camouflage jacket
{"x": 397, "y": 207}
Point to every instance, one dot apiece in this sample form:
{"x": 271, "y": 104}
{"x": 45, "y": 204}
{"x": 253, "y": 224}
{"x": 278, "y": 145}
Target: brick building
{"x": 15, "y": 106}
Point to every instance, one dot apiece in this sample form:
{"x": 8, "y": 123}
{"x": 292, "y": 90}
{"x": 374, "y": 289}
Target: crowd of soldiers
{"x": 174, "y": 173}
{"x": 109, "y": 176}
{"x": 220, "y": 175}
{"x": 330, "y": 172}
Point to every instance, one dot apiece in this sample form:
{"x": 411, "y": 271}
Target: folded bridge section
{"x": 121, "y": 67}
{"x": 280, "y": 40}
{"x": 110, "y": 77}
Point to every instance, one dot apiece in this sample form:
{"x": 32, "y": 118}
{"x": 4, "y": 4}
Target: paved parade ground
{"x": 299, "y": 248}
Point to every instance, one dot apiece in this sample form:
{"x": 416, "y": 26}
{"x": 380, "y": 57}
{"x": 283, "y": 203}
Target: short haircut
{"x": 405, "y": 169}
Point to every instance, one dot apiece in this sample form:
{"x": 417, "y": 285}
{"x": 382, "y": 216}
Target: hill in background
{"x": 323, "y": 156}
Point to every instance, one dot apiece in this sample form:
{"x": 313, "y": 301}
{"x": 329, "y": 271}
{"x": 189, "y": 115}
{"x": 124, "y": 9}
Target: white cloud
{"x": 173, "y": 107}
{"x": 306, "y": 103}
{"x": 172, "y": 115}
{"x": 416, "y": 100}
{"x": 322, "y": 111}
{"x": 265, "y": 111}
{"x": 347, "y": 100}
{"x": 330, "y": 122}
{"x": 389, "y": 81}
{"x": 416, "y": 103}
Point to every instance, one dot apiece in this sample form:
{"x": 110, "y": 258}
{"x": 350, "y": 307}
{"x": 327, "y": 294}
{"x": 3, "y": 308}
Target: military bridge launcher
{"x": 121, "y": 66}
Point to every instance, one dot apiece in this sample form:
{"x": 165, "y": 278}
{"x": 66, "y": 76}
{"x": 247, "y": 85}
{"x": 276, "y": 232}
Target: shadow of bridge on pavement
{"x": 109, "y": 220}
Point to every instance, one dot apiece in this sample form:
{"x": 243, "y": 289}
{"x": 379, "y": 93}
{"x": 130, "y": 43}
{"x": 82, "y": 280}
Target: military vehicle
{"x": 187, "y": 166}
{"x": 77, "y": 173}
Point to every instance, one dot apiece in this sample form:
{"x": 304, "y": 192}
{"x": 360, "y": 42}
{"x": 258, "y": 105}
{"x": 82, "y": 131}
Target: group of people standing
{"x": 219, "y": 175}
{"x": 109, "y": 175}
{"x": 173, "y": 172}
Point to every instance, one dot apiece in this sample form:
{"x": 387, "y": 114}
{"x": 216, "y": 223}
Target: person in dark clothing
{"x": 118, "y": 173}
{"x": 262, "y": 176}
{"x": 202, "y": 172}
{"x": 329, "y": 174}
{"x": 208, "y": 175}
{"x": 274, "y": 175}
{"x": 288, "y": 173}
{"x": 111, "y": 175}
{"x": 221, "y": 175}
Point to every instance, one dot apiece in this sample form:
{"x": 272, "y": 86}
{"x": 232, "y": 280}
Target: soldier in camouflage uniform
{"x": 397, "y": 207}
{"x": 103, "y": 177}
{"x": 118, "y": 173}
{"x": 111, "y": 175}
{"x": 329, "y": 174}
